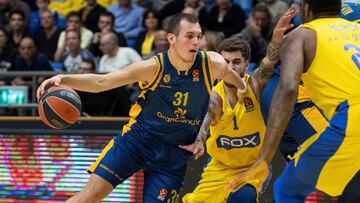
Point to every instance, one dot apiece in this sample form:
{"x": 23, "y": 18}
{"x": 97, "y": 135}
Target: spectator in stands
{"x": 246, "y": 6}
{"x": 107, "y": 3}
{"x": 258, "y": 32}
{"x": 115, "y": 57}
{"x": 35, "y": 16}
{"x": 87, "y": 66}
{"x": 277, "y": 8}
{"x": 8, "y": 54}
{"x": 8, "y": 6}
{"x": 192, "y": 7}
{"x": 73, "y": 22}
{"x": 161, "y": 43}
{"x": 105, "y": 25}
{"x": 64, "y": 8}
{"x": 17, "y": 27}
{"x": 178, "y": 6}
{"x": 48, "y": 37}
{"x": 210, "y": 41}
{"x": 144, "y": 43}
{"x": 226, "y": 18}
{"x": 90, "y": 14}
{"x": 29, "y": 59}
{"x": 72, "y": 58}
{"x": 128, "y": 18}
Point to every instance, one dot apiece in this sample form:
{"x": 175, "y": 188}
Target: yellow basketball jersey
{"x": 334, "y": 75}
{"x": 236, "y": 140}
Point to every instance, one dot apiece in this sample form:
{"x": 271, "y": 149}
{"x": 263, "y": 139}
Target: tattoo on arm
{"x": 273, "y": 51}
{"x": 265, "y": 70}
{"x": 204, "y": 129}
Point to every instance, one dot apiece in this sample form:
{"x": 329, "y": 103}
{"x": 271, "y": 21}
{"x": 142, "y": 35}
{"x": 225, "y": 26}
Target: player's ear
{"x": 171, "y": 38}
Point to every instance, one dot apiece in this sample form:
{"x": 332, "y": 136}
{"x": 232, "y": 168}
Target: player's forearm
{"x": 272, "y": 55}
{"x": 202, "y": 136}
{"x": 83, "y": 82}
{"x": 234, "y": 78}
{"x": 280, "y": 112}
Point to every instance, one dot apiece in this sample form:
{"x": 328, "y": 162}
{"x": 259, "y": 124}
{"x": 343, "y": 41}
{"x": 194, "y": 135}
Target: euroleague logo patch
{"x": 195, "y": 75}
{"x": 249, "y": 104}
{"x": 162, "y": 194}
{"x": 167, "y": 78}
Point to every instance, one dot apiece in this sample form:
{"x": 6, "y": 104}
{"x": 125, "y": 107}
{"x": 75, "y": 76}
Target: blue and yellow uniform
{"x": 168, "y": 113}
{"x": 306, "y": 119}
{"x": 234, "y": 145}
{"x": 351, "y": 10}
{"x": 328, "y": 160}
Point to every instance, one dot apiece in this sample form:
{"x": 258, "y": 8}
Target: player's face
{"x": 235, "y": 61}
{"x": 187, "y": 43}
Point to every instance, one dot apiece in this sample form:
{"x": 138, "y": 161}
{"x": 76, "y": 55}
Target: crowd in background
{"x": 88, "y": 36}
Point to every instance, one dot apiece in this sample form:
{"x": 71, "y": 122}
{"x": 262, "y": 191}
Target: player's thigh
{"x": 117, "y": 162}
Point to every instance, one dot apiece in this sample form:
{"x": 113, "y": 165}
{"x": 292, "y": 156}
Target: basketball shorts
{"x": 211, "y": 188}
{"x": 164, "y": 166}
{"x": 329, "y": 159}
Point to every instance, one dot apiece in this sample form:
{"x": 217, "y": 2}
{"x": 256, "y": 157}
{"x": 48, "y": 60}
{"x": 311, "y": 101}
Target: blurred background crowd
{"x": 101, "y": 36}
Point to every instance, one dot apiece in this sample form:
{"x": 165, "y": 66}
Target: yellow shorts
{"x": 211, "y": 188}
{"x": 329, "y": 159}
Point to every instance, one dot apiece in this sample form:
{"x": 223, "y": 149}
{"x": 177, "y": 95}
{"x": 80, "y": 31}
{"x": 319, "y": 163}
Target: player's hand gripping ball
{"x": 59, "y": 107}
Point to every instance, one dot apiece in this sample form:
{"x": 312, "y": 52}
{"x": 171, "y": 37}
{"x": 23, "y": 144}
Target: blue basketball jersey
{"x": 173, "y": 105}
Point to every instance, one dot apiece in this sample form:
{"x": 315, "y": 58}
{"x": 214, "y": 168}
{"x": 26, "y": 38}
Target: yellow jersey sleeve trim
{"x": 203, "y": 65}
{"x": 156, "y": 83}
{"x": 141, "y": 84}
{"x": 210, "y": 69}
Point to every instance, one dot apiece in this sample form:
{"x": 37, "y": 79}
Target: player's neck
{"x": 230, "y": 92}
{"x": 178, "y": 62}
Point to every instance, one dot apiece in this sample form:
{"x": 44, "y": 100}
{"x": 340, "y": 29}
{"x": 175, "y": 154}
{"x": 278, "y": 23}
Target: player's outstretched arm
{"x": 212, "y": 117}
{"x": 220, "y": 70}
{"x": 292, "y": 57}
{"x": 263, "y": 74}
{"x": 140, "y": 71}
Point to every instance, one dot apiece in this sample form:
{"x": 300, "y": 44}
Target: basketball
{"x": 59, "y": 107}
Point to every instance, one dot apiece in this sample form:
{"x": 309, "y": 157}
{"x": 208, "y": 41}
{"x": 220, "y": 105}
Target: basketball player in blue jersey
{"x": 351, "y": 10}
{"x": 176, "y": 85}
{"x": 325, "y": 54}
{"x": 237, "y": 133}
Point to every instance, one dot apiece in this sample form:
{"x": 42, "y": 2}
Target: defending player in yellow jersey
{"x": 236, "y": 138}
{"x": 325, "y": 54}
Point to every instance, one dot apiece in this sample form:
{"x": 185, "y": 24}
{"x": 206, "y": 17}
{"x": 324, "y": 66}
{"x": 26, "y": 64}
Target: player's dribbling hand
{"x": 56, "y": 80}
{"x": 197, "y": 148}
{"x": 256, "y": 176}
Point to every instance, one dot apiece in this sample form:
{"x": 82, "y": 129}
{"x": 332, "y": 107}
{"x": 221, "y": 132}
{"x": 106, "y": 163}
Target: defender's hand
{"x": 256, "y": 176}
{"x": 56, "y": 80}
{"x": 283, "y": 25}
{"x": 197, "y": 148}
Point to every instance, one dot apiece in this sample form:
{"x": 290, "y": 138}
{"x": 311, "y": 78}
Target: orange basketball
{"x": 59, "y": 107}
